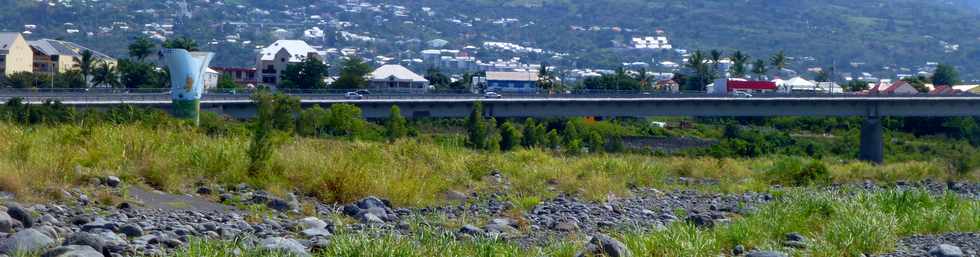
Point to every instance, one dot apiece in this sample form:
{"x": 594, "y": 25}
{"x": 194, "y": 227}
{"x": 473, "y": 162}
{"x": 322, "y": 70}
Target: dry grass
{"x": 409, "y": 172}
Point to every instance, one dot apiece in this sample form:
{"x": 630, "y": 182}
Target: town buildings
{"x": 15, "y": 54}
{"x": 274, "y": 59}
{"x": 397, "y": 78}
{"x": 56, "y": 56}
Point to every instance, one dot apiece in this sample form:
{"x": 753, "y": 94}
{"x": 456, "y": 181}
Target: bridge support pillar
{"x": 872, "y": 141}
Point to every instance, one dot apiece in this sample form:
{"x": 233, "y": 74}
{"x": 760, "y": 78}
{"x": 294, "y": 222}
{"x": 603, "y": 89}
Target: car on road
{"x": 363, "y": 92}
{"x": 742, "y": 94}
{"x": 353, "y": 96}
{"x": 492, "y": 95}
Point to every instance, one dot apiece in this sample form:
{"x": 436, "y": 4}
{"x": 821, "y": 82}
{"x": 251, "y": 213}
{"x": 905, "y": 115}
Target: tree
{"x": 739, "y": 61}
{"x": 141, "y": 48}
{"x": 476, "y": 128}
{"x": 308, "y": 74}
{"x": 546, "y": 80}
{"x": 106, "y": 75}
{"x": 945, "y": 75}
{"x": 312, "y": 121}
{"x": 139, "y": 74}
{"x": 553, "y": 139}
{"x": 715, "y": 56}
{"x": 510, "y": 137}
{"x": 822, "y": 76}
{"x": 396, "y": 126}
{"x": 69, "y": 79}
{"x": 701, "y": 72}
{"x": 261, "y": 148}
{"x": 759, "y": 68}
{"x": 227, "y": 82}
{"x": 437, "y": 79}
{"x": 352, "y": 74}
{"x": 918, "y": 82}
{"x": 181, "y": 43}
{"x": 346, "y": 120}
{"x": 856, "y": 86}
{"x": 85, "y": 64}
{"x": 779, "y": 61}
{"x": 21, "y": 79}
{"x": 531, "y": 137}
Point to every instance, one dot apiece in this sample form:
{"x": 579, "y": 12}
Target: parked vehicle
{"x": 492, "y": 95}
{"x": 353, "y": 96}
{"x": 742, "y": 94}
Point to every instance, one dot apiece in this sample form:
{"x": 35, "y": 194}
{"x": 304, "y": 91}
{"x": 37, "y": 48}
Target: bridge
{"x": 572, "y": 105}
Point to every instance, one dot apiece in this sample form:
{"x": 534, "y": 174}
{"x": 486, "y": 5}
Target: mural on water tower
{"x": 186, "y": 81}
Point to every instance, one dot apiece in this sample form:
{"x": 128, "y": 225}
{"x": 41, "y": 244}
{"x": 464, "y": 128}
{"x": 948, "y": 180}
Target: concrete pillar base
{"x": 872, "y": 141}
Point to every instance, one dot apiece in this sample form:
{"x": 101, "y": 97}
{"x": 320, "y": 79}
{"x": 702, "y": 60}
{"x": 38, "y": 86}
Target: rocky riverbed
{"x": 154, "y": 223}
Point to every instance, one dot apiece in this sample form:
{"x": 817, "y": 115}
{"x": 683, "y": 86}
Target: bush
{"x": 396, "y": 126}
{"x": 510, "y": 137}
{"x": 312, "y": 122}
{"x": 793, "y": 171}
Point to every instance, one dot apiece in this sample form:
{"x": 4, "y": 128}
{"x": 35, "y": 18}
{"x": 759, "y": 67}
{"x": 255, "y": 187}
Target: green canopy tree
{"x": 759, "y": 68}
{"x": 352, "y": 74}
{"x": 141, "y": 48}
{"x": 182, "y": 43}
{"x": 945, "y": 75}
{"x": 779, "y": 61}
{"x": 308, "y": 74}
{"x": 396, "y": 127}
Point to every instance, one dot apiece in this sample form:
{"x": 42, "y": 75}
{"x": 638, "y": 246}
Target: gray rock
{"x": 738, "y": 250}
{"x": 203, "y": 190}
{"x": 279, "y": 244}
{"x": 278, "y": 205}
{"x": 454, "y": 195}
{"x": 471, "y": 230}
{"x": 701, "y": 220}
{"x": 567, "y": 226}
{"x": 6, "y": 223}
{"x": 945, "y": 250}
{"x": 131, "y": 230}
{"x": 84, "y": 238}
{"x": 20, "y": 214}
{"x": 28, "y": 240}
{"x": 369, "y": 218}
{"x": 316, "y": 232}
{"x": 766, "y": 254}
{"x": 311, "y": 222}
{"x": 73, "y": 251}
{"x": 605, "y": 246}
{"x": 795, "y": 237}
{"x": 113, "y": 181}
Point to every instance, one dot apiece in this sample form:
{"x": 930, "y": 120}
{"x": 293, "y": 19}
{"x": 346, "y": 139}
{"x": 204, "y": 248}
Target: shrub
{"x": 793, "y": 171}
{"x": 396, "y": 126}
{"x": 510, "y": 137}
{"x": 312, "y": 121}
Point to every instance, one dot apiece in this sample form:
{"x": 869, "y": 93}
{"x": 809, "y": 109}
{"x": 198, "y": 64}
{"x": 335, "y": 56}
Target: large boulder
{"x": 311, "y": 222}
{"x": 87, "y": 239}
{"x": 73, "y": 251}
{"x": 603, "y": 245}
{"x": 945, "y": 250}
{"x": 28, "y": 240}
{"x": 18, "y": 213}
{"x": 279, "y": 244}
{"x": 6, "y": 223}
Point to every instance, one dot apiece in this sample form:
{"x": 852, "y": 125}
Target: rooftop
{"x": 397, "y": 72}
{"x": 297, "y": 49}
{"x": 512, "y": 76}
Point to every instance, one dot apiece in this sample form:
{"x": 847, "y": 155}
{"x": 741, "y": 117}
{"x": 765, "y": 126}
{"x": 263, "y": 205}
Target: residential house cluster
{"x": 43, "y": 56}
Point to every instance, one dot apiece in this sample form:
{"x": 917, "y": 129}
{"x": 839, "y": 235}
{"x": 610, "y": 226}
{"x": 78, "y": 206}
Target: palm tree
{"x": 716, "y": 60}
{"x": 698, "y": 63}
{"x": 85, "y": 65}
{"x": 106, "y": 74}
{"x": 181, "y": 43}
{"x": 778, "y": 61}
{"x": 739, "y": 60}
{"x": 759, "y": 68}
{"x": 141, "y": 48}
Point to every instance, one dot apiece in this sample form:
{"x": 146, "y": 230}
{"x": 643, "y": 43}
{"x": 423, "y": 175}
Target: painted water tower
{"x": 186, "y": 81}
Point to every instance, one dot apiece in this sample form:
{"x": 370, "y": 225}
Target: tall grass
{"x": 36, "y": 162}
{"x": 836, "y": 224}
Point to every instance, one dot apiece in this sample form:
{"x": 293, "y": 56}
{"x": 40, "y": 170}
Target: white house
{"x": 395, "y": 77}
{"x": 274, "y": 59}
